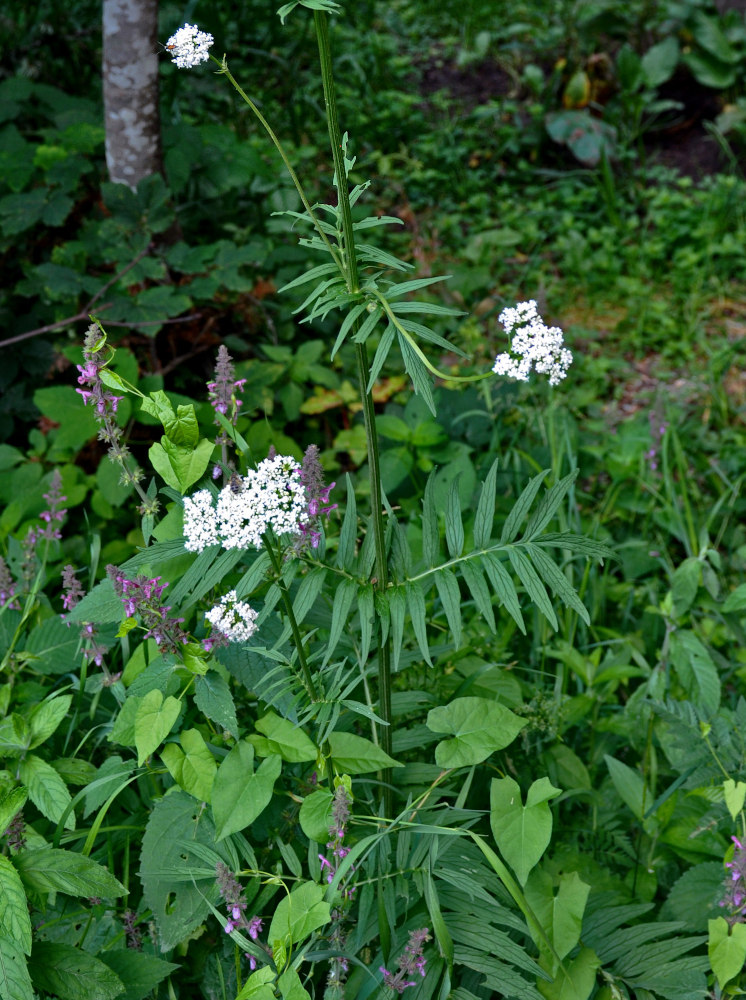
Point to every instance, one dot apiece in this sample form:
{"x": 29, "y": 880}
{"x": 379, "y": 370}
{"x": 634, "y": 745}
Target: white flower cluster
{"x": 533, "y": 344}
{"x": 235, "y": 619}
{"x": 188, "y": 46}
{"x": 271, "y": 496}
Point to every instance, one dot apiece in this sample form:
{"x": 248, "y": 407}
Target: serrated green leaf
{"x": 479, "y": 727}
{"x": 534, "y": 587}
{"x": 46, "y": 789}
{"x": 212, "y": 695}
{"x": 50, "y": 869}
{"x": 11, "y": 803}
{"x": 46, "y": 717}
{"x": 504, "y": 588}
{"x": 478, "y": 588}
{"x": 382, "y": 352}
{"x": 309, "y": 589}
{"x": 238, "y": 794}
{"x": 15, "y": 922}
{"x": 548, "y": 507}
{"x": 430, "y": 537}
{"x": 15, "y": 982}
{"x": 348, "y": 533}
{"x": 416, "y": 605}
{"x": 629, "y": 784}
{"x": 450, "y": 597}
{"x": 552, "y": 575}
{"x": 366, "y": 611}
{"x": 397, "y": 605}
{"x": 343, "y": 598}
{"x": 454, "y": 524}
{"x": 521, "y": 508}
{"x": 485, "y": 514}
{"x": 414, "y": 367}
{"x": 139, "y": 971}
{"x": 72, "y": 974}
{"x": 695, "y": 669}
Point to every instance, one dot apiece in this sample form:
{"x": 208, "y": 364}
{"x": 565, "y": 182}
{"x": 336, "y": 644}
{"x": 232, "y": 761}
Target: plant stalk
{"x": 363, "y": 373}
{"x": 297, "y": 637}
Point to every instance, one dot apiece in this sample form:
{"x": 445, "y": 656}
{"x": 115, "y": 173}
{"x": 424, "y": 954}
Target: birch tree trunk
{"x": 130, "y": 82}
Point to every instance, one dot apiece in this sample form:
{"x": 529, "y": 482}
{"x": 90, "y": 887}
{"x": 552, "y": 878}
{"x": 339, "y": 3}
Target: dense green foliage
{"x": 551, "y": 583}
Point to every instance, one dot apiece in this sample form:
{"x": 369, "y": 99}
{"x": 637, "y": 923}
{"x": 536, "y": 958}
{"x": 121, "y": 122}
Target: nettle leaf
{"x": 353, "y": 754}
{"x": 286, "y": 739}
{"x": 46, "y": 717}
{"x": 53, "y": 870}
{"x": 154, "y": 720}
{"x": 238, "y": 794}
{"x": 139, "y": 972}
{"x": 46, "y": 789}
{"x": 54, "y": 646}
{"x": 213, "y": 698}
{"x": 695, "y": 669}
{"x": 298, "y": 915}
{"x": 10, "y": 804}
{"x": 15, "y": 982}
{"x": 101, "y": 606}
{"x": 522, "y": 833}
{"x": 479, "y": 727}
{"x": 72, "y": 974}
{"x": 15, "y": 922}
{"x": 177, "y": 886}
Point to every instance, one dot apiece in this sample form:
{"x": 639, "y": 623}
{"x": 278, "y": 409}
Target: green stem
{"x": 363, "y": 372}
{"x": 288, "y": 165}
{"x": 297, "y": 637}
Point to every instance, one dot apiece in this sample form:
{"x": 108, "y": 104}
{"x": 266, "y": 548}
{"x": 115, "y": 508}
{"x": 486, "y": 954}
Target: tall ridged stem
{"x": 288, "y": 604}
{"x": 349, "y": 261}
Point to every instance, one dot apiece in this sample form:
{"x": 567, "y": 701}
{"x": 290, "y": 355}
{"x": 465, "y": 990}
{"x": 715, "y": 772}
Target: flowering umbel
{"x": 189, "y": 46}
{"x": 234, "y": 619}
{"x": 533, "y": 345}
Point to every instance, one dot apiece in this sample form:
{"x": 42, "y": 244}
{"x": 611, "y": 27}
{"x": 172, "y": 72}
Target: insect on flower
{"x": 235, "y": 483}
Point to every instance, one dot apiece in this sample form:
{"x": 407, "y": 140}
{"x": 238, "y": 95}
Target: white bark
{"x": 130, "y": 82}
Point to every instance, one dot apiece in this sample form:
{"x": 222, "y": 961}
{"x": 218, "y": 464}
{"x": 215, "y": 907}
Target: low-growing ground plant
{"x": 411, "y": 731}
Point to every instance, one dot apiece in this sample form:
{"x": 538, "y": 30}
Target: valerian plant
{"x": 304, "y": 821}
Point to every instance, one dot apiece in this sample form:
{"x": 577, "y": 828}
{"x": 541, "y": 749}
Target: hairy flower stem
{"x": 363, "y": 371}
{"x": 297, "y": 637}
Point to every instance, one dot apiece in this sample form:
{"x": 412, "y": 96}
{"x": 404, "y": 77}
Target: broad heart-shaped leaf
{"x": 291, "y": 988}
{"x": 316, "y": 815}
{"x": 51, "y": 869}
{"x": 177, "y": 885}
{"x": 179, "y": 466}
{"x": 15, "y": 922}
{"x": 479, "y": 727}
{"x": 577, "y": 982}
{"x": 139, "y": 972}
{"x": 285, "y": 738}
{"x": 259, "y": 985}
{"x": 560, "y": 916}
{"x": 72, "y": 974}
{"x": 521, "y": 832}
{"x": 726, "y": 949}
{"x": 46, "y": 789}
{"x": 239, "y": 795}
{"x": 153, "y": 722}
{"x": 735, "y": 795}
{"x": 356, "y": 755}
{"x": 298, "y": 915}
{"x": 15, "y": 982}
{"x": 193, "y": 767}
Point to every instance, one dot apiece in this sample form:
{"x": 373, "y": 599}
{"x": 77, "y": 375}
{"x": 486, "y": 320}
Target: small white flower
{"x": 200, "y": 522}
{"x": 534, "y": 344}
{"x": 235, "y": 619}
{"x": 188, "y": 46}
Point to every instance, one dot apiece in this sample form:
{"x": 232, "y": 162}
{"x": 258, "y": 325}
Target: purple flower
{"x": 411, "y": 961}
{"x": 141, "y": 596}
